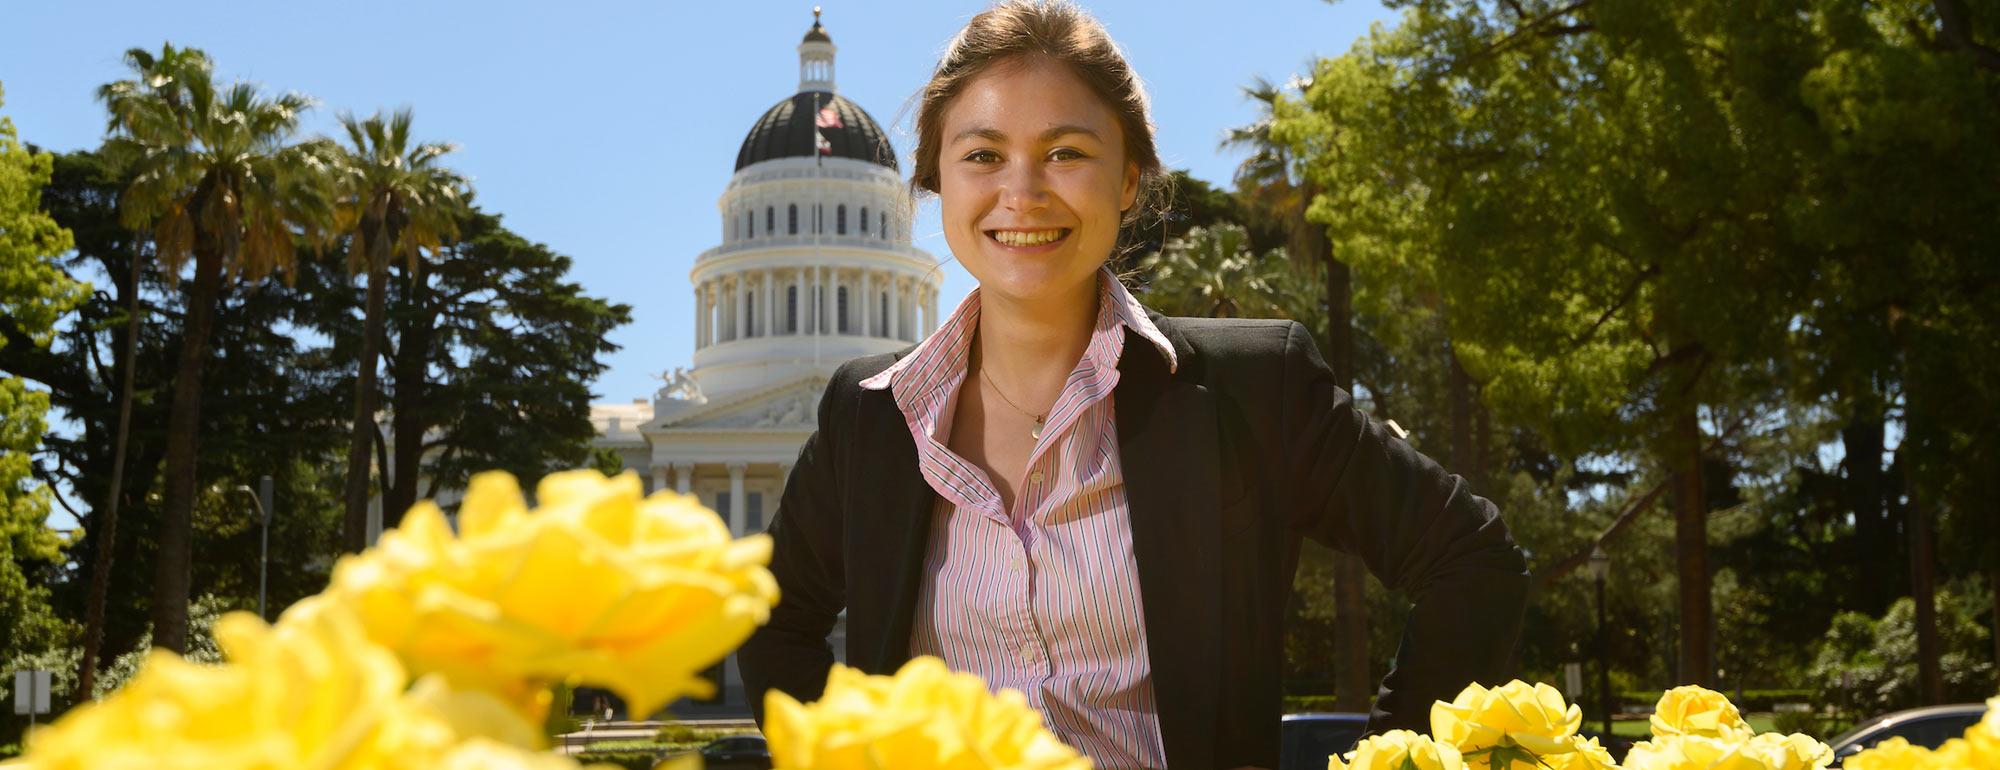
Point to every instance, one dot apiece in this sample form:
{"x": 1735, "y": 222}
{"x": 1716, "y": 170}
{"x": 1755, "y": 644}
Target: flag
{"x": 825, "y": 118}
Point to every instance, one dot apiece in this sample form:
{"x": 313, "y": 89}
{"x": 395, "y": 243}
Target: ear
{"x": 1130, "y": 193}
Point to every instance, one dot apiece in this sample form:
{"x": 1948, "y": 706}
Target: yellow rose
{"x": 635, "y": 594}
{"x": 1892, "y": 754}
{"x": 1982, "y": 739}
{"x": 926, "y": 716}
{"x": 1513, "y": 725}
{"x": 309, "y": 692}
{"x": 1695, "y": 710}
{"x": 1399, "y": 750}
{"x": 1587, "y": 754}
{"x": 1768, "y": 751}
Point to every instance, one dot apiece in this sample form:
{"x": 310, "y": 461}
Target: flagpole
{"x": 819, "y": 190}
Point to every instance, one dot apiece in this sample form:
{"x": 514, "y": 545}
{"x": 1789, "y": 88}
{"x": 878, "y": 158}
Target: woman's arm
{"x": 1418, "y": 527}
{"x": 790, "y": 653}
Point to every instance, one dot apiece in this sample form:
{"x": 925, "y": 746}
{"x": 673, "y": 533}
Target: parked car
{"x": 1928, "y": 727}
{"x": 1308, "y": 739}
{"x": 737, "y": 752}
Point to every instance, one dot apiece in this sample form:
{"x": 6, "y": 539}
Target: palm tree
{"x": 215, "y": 182}
{"x": 1211, "y": 272}
{"x": 393, "y": 200}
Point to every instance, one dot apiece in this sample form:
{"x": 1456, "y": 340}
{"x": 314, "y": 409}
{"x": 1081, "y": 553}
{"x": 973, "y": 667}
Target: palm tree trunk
{"x": 412, "y": 351}
{"x": 106, "y": 524}
{"x": 170, "y": 584}
{"x": 356, "y": 522}
{"x": 1696, "y": 661}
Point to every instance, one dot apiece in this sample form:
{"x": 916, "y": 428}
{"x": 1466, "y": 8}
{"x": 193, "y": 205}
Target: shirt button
{"x": 1017, "y": 562}
{"x": 1027, "y": 653}
{"x": 1035, "y": 477}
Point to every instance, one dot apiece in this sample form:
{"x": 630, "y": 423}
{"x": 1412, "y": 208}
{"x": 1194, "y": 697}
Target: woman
{"x": 1078, "y": 498}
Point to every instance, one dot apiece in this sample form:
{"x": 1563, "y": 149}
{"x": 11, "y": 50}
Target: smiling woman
{"x": 1078, "y": 498}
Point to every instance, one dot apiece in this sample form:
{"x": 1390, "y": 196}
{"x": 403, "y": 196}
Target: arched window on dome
{"x": 770, "y": 219}
{"x": 840, "y": 310}
{"x": 792, "y": 310}
{"x": 864, "y": 220}
{"x": 792, "y": 220}
{"x": 885, "y": 225}
{"x": 750, "y": 223}
{"x": 840, "y": 220}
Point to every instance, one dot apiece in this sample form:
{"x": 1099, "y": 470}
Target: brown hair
{"x": 1061, "y": 31}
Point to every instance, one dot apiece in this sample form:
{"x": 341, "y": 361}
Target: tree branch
{"x": 1631, "y": 290}
{"x": 1958, "y": 32}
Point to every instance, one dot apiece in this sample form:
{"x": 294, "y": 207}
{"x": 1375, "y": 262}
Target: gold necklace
{"x": 1037, "y": 432}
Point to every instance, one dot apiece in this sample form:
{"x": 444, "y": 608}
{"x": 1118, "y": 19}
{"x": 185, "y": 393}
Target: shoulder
{"x": 1225, "y": 343}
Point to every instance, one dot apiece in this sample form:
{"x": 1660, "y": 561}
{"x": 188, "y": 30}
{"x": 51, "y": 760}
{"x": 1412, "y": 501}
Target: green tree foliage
{"x": 34, "y": 294}
{"x": 1646, "y": 224}
{"x": 1867, "y": 665}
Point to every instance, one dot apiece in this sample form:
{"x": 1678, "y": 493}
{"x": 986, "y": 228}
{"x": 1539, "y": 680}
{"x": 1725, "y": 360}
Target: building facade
{"x": 814, "y": 266}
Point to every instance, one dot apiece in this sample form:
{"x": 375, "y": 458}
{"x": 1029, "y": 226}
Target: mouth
{"x": 1030, "y": 241}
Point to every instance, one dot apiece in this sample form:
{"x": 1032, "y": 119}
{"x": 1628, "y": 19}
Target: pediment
{"x": 792, "y": 404}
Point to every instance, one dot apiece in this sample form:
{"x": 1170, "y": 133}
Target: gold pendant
{"x": 1036, "y": 434}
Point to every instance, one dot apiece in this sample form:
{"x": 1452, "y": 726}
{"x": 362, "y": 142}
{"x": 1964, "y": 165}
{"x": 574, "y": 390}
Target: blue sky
{"x": 608, "y": 129}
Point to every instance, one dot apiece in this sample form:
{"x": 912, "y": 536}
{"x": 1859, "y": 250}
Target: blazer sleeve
{"x": 790, "y": 653}
{"x": 1420, "y": 530}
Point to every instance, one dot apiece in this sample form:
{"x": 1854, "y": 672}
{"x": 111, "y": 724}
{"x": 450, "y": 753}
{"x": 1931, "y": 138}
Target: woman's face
{"x": 1029, "y": 153}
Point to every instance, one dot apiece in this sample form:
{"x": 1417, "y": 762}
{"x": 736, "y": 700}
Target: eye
{"x": 977, "y": 154}
{"x": 1062, "y": 150}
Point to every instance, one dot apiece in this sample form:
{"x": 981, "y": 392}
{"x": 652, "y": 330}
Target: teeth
{"x": 1033, "y": 238}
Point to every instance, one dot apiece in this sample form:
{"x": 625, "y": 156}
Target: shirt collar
{"x": 919, "y": 371}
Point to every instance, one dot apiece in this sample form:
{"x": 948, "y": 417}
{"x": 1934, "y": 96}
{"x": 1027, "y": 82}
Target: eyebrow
{"x": 994, "y": 134}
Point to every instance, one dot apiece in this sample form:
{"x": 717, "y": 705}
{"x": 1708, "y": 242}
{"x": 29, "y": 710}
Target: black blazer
{"x": 1227, "y": 463}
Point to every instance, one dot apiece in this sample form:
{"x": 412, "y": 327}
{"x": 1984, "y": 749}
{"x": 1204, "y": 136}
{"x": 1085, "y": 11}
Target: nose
{"x": 1025, "y": 187}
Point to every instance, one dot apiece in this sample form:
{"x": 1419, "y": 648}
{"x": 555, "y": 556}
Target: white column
{"x": 741, "y": 313}
{"x": 799, "y": 283}
{"x": 683, "y": 477}
{"x": 784, "y": 479}
{"x": 896, "y": 307}
{"x": 659, "y": 478}
{"x": 827, "y": 294}
{"x": 770, "y": 302}
{"x": 808, "y": 307}
{"x": 867, "y": 304}
{"x": 736, "y": 507}
{"x": 700, "y": 341}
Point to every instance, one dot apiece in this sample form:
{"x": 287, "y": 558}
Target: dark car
{"x": 1928, "y": 727}
{"x": 1308, "y": 739}
{"x": 737, "y": 752}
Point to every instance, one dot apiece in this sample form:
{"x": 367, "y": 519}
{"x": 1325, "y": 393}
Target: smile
{"x": 1028, "y": 239}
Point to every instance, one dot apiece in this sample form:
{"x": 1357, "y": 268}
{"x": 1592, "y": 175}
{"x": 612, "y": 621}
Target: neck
{"x": 1030, "y": 347}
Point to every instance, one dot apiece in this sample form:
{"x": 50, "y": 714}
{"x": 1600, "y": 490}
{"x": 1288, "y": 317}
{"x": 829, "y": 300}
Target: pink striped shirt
{"x": 1044, "y": 598}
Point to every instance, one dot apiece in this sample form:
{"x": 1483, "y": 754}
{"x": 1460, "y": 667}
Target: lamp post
{"x": 1600, "y": 566}
{"x": 263, "y": 498}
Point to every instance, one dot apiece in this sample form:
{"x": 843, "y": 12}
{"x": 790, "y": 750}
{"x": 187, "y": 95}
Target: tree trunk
{"x": 355, "y": 528}
{"x": 1923, "y": 591}
{"x": 1863, "y": 492}
{"x": 106, "y": 523}
{"x": 1993, "y": 584}
{"x": 1461, "y": 417}
{"x": 1696, "y": 659}
{"x": 170, "y": 583}
{"x": 1482, "y": 457}
{"x": 408, "y": 370}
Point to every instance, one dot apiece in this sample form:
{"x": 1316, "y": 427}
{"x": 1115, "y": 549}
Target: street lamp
{"x": 1600, "y": 566}
{"x": 263, "y": 498}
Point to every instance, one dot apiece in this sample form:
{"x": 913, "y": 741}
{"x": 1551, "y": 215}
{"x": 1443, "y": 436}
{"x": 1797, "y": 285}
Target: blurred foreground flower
{"x": 925, "y": 716}
{"x": 598, "y": 584}
{"x": 1515, "y": 725}
{"x": 1767, "y": 751}
{"x": 1398, "y": 750}
{"x": 311, "y": 692}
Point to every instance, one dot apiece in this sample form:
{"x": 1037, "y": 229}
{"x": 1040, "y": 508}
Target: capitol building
{"x": 815, "y": 266}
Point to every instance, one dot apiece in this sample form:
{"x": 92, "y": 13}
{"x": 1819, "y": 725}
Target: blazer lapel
{"x": 887, "y": 533}
{"x": 1171, "y": 462}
